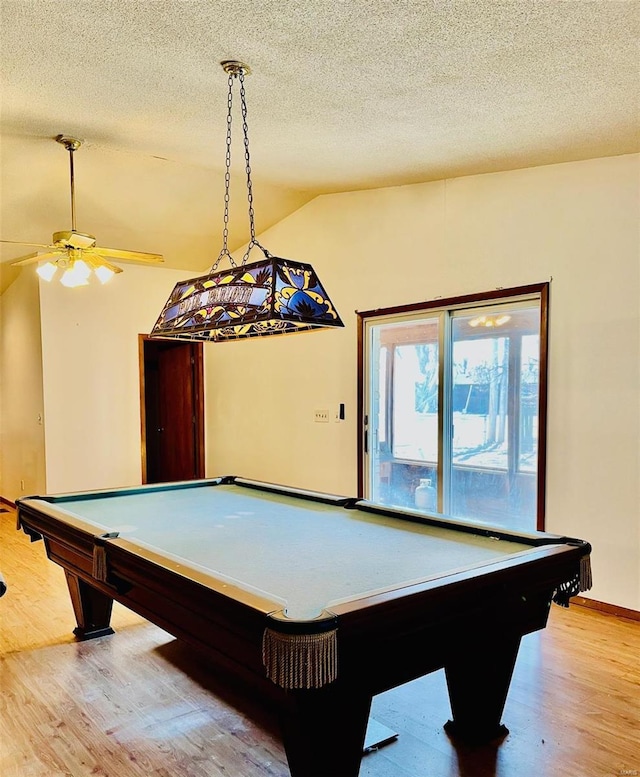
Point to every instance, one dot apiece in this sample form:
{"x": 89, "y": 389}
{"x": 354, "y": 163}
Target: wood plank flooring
{"x": 140, "y": 703}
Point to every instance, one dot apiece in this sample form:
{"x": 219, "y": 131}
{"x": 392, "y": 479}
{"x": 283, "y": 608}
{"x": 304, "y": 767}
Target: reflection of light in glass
{"x": 489, "y": 321}
{"x": 47, "y": 270}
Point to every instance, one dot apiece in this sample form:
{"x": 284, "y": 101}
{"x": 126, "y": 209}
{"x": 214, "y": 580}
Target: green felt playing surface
{"x": 306, "y": 553}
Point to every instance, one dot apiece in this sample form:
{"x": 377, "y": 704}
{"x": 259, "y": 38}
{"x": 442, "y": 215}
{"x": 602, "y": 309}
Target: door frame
{"x": 198, "y": 379}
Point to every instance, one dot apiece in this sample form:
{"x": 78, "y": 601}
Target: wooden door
{"x": 172, "y": 410}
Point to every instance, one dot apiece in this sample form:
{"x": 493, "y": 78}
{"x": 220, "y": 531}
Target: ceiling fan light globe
{"x": 47, "y": 270}
{"x": 77, "y": 274}
{"x": 71, "y": 281}
{"x": 104, "y": 274}
{"x": 81, "y": 269}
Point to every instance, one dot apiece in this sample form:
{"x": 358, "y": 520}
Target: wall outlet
{"x": 321, "y": 416}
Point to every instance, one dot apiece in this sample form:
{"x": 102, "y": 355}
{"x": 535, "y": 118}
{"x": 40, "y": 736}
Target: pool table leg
{"x": 478, "y": 683}
{"x": 323, "y": 731}
{"x": 91, "y": 607}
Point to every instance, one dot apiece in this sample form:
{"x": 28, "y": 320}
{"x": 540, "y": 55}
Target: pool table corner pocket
{"x": 300, "y": 653}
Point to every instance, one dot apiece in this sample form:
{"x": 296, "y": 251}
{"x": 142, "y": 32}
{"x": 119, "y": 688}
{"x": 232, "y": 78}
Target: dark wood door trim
{"x": 143, "y": 407}
{"x": 198, "y": 376}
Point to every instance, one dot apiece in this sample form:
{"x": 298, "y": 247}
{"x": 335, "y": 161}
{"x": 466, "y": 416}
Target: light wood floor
{"x": 140, "y": 703}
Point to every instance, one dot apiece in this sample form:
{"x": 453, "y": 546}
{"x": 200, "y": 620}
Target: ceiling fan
{"x": 76, "y": 253}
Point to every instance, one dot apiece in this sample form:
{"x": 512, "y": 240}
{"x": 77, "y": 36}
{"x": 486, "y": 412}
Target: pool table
{"x": 317, "y": 602}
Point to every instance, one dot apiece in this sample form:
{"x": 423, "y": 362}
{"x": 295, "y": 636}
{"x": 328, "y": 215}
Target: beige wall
{"x": 22, "y": 468}
{"x": 91, "y": 376}
{"x": 575, "y": 223}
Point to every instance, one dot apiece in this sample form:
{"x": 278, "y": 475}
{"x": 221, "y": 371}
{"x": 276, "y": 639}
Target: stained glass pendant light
{"x": 265, "y": 297}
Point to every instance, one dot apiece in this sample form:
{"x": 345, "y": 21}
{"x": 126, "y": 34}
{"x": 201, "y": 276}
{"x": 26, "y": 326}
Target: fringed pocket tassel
{"x": 581, "y": 581}
{"x": 300, "y": 660}
{"x": 586, "y": 580}
{"x": 99, "y": 571}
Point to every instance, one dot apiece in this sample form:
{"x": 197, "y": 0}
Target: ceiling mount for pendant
{"x": 235, "y": 68}
{"x": 267, "y": 297}
{"x": 71, "y": 144}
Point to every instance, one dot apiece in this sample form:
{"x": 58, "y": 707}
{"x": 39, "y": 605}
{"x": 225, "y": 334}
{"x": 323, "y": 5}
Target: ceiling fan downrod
{"x": 71, "y": 144}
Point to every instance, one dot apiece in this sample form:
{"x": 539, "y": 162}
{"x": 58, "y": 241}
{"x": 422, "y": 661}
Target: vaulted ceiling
{"x": 343, "y": 95}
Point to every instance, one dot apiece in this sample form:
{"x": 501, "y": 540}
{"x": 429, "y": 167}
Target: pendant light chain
{"x": 245, "y": 130}
{"x": 227, "y": 181}
{"x": 237, "y": 72}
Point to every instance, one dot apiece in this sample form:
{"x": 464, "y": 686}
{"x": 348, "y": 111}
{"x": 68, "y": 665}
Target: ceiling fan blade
{"x": 99, "y": 261}
{"x": 20, "y": 243}
{"x": 39, "y": 256}
{"x": 128, "y": 256}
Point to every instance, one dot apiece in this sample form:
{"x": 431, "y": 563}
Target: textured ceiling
{"x": 343, "y": 95}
